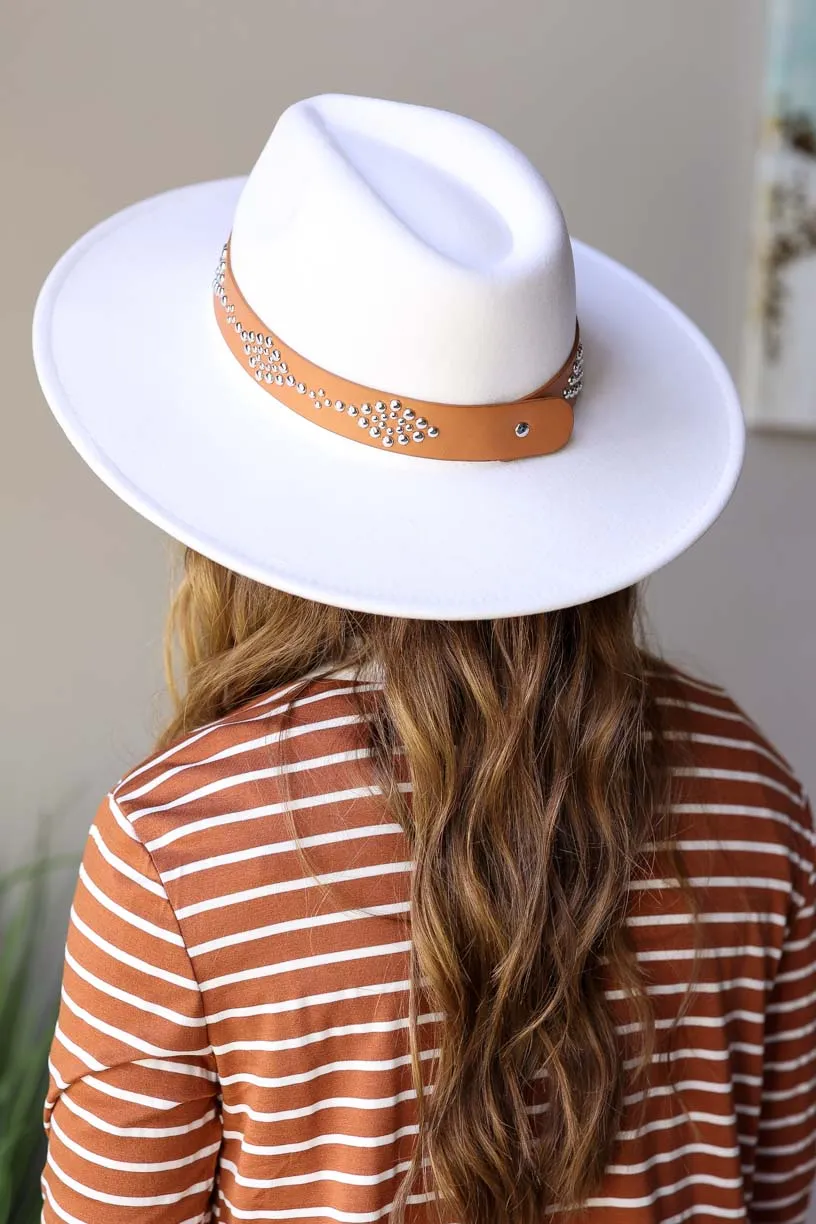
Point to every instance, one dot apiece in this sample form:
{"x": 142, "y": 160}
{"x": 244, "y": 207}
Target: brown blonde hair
{"x": 540, "y": 793}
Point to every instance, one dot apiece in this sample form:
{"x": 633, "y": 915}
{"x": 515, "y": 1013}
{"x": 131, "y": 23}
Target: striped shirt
{"x": 232, "y": 1042}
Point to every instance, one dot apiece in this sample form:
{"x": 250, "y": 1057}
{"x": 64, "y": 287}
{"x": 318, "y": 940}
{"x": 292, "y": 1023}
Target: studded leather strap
{"x": 538, "y": 424}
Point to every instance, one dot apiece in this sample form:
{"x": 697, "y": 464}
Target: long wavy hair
{"x": 541, "y": 791}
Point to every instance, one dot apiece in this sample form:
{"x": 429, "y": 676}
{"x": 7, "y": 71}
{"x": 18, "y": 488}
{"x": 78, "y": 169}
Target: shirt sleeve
{"x": 785, "y": 1154}
{"x": 132, "y": 1112}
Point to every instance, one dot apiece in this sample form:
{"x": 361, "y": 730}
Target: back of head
{"x": 539, "y": 782}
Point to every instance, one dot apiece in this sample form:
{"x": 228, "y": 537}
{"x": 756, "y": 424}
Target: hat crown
{"x": 406, "y": 248}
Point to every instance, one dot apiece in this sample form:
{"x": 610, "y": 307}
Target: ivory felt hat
{"x": 378, "y": 373}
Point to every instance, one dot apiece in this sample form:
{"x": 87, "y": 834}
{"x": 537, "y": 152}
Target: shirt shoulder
{"x": 727, "y": 762}
{"x": 310, "y": 729}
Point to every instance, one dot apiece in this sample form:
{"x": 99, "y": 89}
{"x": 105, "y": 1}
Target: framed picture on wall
{"x": 779, "y": 376}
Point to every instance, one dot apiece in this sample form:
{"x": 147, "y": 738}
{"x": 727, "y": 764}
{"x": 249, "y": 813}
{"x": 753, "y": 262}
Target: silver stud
{"x": 247, "y": 349}
{"x": 312, "y": 394}
{"x": 327, "y": 402}
{"x": 421, "y": 423}
{"x": 433, "y": 432}
{"x": 269, "y": 377}
{"x": 395, "y": 405}
{"x": 375, "y": 431}
{"x": 353, "y": 410}
{"x": 251, "y": 336}
{"x": 279, "y": 379}
{"x": 403, "y": 440}
{"x": 522, "y": 429}
{"x": 409, "y": 414}
{"x": 284, "y": 367}
{"x": 270, "y": 340}
{"x": 321, "y": 393}
{"x": 276, "y": 354}
{"x": 365, "y": 409}
{"x": 363, "y": 423}
{"x": 301, "y": 388}
{"x": 259, "y": 375}
{"x": 245, "y": 336}
{"x": 253, "y": 361}
{"x": 393, "y": 414}
{"x": 388, "y": 441}
{"x": 390, "y": 431}
{"x": 380, "y": 406}
{"x": 223, "y": 299}
{"x": 339, "y": 405}
{"x": 290, "y": 380}
{"x": 418, "y": 436}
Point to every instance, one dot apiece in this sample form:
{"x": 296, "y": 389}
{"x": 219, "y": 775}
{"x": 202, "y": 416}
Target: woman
{"x": 440, "y": 897}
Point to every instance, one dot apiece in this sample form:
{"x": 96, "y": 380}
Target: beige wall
{"x": 642, "y": 114}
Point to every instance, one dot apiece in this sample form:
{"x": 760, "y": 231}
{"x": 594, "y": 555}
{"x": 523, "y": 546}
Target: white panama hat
{"x": 417, "y": 253}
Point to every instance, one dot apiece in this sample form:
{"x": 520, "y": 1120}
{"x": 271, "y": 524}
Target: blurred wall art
{"x": 780, "y": 345}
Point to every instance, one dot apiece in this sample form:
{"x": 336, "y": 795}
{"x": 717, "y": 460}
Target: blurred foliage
{"x": 27, "y": 1019}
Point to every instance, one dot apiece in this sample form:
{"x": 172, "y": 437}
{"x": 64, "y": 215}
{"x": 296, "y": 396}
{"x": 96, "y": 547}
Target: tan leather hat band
{"x": 538, "y": 424}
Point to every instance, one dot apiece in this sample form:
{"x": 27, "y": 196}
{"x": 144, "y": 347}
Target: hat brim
{"x": 132, "y": 365}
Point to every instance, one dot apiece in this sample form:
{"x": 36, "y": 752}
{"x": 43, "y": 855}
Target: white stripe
{"x": 662, "y": 1124}
{"x": 749, "y": 810}
{"x": 122, "y": 1035}
{"x": 319, "y": 1175}
{"x": 718, "y": 882}
{"x": 659, "y": 1158}
{"x": 794, "y": 1119}
{"x": 738, "y": 775}
{"x": 307, "y": 962}
{"x": 133, "y": 920}
{"x": 145, "y": 1005}
{"x": 176, "y": 1068}
{"x": 297, "y": 1004}
{"x": 769, "y": 1178}
{"x": 270, "y": 809}
{"x": 735, "y": 843}
{"x": 126, "y": 959}
{"x": 58, "y": 1080}
{"x": 678, "y": 675}
{"x": 309, "y": 1213}
{"x": 251, "y": 745}
{"x": 201, "y": 1218}
{"x": 338, "y": 1030}
{"x": 135, "y": 1132}
{"x": 90, "y": 1062}
{"x": 298, "y": 924}
{"x": 256, "y": 775}
{"x": 131, "y": 1166}
{"x": 373, "y": 871}
{"x": 685, "y": 919}
{"x": 725, "y": 741}
{"x": 354, "y": 1141}
{"x": 341, "y": 1064}
{"x": 675, "y": 954}
{"x": 307, "y": 1111}
{"x": 125, "y": 869}
{"x": 694, "y": 1179}
{"x": 792, "y": 1034}
{"x": 201, "y": 732}
{"x": 700, "y": 987}
{"x": 282, "y": 847}
{"x": 124, "y": 1094}
{"x": 120, "y": 1200}
{"x": 121, "y": 820}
